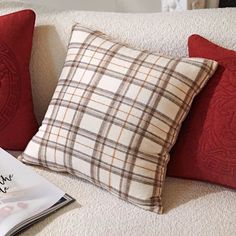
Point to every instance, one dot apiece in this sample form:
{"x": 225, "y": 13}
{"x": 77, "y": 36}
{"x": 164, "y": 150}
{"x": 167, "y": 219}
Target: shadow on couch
{"x": 46, "y": 65}
{"x": 178, "y": 192}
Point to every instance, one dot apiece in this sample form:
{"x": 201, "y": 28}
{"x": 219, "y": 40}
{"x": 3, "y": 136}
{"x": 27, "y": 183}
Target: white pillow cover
{"x": 115, "y": 114}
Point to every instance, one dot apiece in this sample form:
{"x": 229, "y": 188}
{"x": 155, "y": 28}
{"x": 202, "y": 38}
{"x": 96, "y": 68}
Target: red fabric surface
{"x": 17, "y": 119}
{"x": 206, "y": 146}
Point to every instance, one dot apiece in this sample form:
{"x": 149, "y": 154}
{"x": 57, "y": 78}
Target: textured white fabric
{"x": 191, "y": 207}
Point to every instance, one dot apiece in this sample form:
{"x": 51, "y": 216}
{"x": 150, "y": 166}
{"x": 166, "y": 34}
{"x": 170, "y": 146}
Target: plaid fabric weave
{"x": 115, "y": 115}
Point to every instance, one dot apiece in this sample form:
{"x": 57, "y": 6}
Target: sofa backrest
{"x": 166, "y": 33}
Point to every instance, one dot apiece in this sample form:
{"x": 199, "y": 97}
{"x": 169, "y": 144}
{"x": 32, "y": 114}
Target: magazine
{"x": 25, "y": 196}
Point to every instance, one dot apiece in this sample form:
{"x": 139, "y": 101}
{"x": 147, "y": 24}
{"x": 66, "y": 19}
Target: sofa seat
{"x": 191, "y": 208}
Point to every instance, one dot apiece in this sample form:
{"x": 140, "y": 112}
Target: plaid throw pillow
{"x": 115, "y": 114}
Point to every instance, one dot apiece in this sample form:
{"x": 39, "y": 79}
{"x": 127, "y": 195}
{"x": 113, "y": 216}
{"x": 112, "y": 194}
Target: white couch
{"x": 191, "y": 207}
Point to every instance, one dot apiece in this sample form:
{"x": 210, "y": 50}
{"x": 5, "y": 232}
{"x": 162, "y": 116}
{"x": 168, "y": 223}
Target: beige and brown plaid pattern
{"x": 115, "y": 114}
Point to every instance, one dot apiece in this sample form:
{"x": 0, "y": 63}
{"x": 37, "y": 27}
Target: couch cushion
{"x": 192, "y": 208}
{"x": 115, "y": 114}
{"x": 211, "y": 155}
{"x": 17, "y": 121}
{"x": 160, "y": 32}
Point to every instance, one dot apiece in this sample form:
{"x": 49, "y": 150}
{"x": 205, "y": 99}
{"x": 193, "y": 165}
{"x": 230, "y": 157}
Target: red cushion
{"x": 206, "y": 146}
{"x": 17, "y": 119}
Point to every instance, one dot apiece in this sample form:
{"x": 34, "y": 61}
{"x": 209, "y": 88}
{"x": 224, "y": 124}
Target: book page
{"x": 23, "y": 193}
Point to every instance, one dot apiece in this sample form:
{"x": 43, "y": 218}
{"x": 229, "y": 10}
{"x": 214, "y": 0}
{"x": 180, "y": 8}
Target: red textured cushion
{"x": 206, "y": 146}
{"x": 17, "y": 119}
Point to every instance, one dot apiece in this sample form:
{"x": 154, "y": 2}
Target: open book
{"x": 25, "y": 196}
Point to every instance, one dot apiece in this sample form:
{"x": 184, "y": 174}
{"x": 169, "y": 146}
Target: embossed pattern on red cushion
{"x": 17, "y": 120}
{"x": 206, "y": 146}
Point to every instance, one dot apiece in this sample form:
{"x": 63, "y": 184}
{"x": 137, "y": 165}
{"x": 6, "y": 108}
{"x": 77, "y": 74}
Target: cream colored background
{"x": 109, "y": 5}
